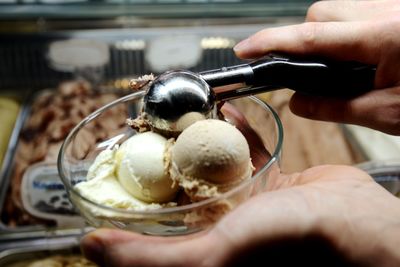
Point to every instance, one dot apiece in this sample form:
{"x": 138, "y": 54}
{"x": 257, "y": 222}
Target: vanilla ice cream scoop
{"x": 208, "y": 155}
{"x": 140, "y": 168}
{"x": 103, "y": 187}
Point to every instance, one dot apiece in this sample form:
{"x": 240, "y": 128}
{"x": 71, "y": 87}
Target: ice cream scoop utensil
{"x": 177, "y": 93}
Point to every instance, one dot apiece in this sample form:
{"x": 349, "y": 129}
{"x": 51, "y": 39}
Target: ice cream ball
{"x": 141, "y": 168}
{"x": 188, "y": 119}
{"x": 212, "y": 151}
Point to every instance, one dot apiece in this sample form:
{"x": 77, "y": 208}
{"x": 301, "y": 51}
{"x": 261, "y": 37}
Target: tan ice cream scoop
{"x": 208, "y": 154}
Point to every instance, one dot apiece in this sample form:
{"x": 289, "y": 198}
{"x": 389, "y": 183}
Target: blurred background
{"x": 62, "y": 59}
{"x": 131, "y": 30}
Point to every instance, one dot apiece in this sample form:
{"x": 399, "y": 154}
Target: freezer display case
{"x": 63, "y": 59}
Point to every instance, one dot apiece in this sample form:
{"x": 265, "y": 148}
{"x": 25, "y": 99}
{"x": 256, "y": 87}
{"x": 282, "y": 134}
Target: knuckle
{"x": 314, "y": 11}
{"x": 309, "y": 33}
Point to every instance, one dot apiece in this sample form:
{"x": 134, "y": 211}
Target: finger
{"x": 348, "y": 10}
{"x": 108, "y": 247}
{"x": 378, "y": 109}
{"x": 357, "y": 41}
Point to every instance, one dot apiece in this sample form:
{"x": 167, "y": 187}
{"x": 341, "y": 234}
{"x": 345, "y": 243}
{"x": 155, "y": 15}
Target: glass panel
{"x": 12, "y": 9}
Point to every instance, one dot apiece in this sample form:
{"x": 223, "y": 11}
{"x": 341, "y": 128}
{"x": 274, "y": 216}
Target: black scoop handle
{"x": 310, "y": 76}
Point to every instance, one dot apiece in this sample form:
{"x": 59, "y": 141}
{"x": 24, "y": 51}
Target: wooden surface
{"x": 309, "y": 143}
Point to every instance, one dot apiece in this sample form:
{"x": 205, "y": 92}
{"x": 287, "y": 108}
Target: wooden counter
{"x": 306, "y": 142}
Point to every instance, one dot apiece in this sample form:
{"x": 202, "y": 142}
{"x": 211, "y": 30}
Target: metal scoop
{"x": 175, "y": 94}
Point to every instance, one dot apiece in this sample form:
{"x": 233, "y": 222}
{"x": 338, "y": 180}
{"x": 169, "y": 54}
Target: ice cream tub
{"x": 63, "y": 252}
{"x": 32, "y": 198}
{"x": 10, "y": 116}
{"x": 9, "y": 143}
{"x": 8, "y": 160}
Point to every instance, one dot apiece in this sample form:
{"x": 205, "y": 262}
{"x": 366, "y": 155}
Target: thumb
{"x": 109, "y": 247}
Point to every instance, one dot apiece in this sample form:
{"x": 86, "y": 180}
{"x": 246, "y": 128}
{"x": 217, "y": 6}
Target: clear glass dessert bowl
{"x": 256, "y": 120}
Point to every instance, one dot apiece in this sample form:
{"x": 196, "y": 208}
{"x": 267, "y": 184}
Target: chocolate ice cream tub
{"x": 33, "y": 202}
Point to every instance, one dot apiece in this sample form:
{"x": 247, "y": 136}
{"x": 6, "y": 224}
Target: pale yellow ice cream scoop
{"x": 103, "y": 187}
{"x": 141, "y": 170}
{"x": 210, "y": 154}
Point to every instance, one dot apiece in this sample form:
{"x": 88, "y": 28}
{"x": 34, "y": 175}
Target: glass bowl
{"x": 255, "y": 119}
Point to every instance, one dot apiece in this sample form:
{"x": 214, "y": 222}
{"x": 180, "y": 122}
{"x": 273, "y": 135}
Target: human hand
{"x": 364, "y": 31}
{"x": 324, "y": 216}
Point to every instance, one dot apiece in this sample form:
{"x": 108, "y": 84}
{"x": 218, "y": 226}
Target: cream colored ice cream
{"x": 102, "y": 185}
{"x": 141, "y": 170}
{"x": 210, "y": 156}
{"x": 132, "y": 176}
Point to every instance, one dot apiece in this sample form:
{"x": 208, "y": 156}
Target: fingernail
{"x": 242, "y": 45}
{"x": 92, "y": 248}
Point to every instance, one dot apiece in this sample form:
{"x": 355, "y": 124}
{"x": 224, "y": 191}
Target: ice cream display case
{"x": 66, "y": 59}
